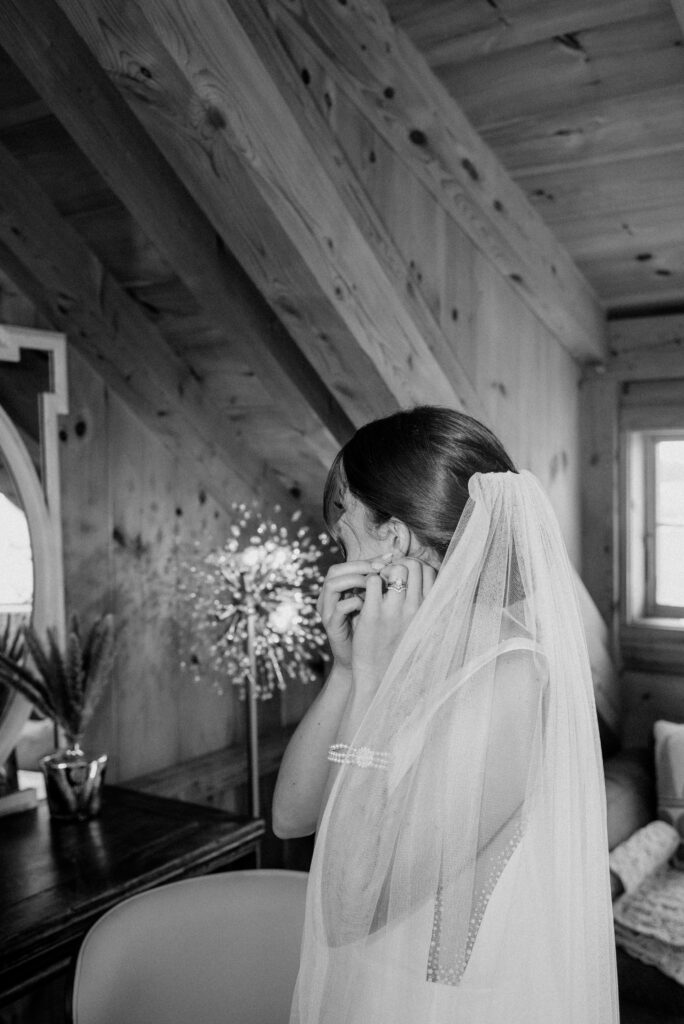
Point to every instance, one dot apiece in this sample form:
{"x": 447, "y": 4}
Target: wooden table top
{"x": 57, "y": 878}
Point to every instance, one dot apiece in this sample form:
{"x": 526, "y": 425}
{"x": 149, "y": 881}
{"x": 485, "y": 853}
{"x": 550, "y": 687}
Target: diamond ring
{"x": 398, "y": 585}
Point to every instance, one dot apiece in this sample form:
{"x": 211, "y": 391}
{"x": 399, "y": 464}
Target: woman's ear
{"x": 401, "y": 539}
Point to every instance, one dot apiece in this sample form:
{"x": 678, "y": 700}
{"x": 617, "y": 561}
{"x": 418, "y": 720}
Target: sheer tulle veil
{"x": 466, "y": 879}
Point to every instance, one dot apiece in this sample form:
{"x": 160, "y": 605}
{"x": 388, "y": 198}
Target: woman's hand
{"x": 338, "y": 607}
{"x": 394, "y": 593}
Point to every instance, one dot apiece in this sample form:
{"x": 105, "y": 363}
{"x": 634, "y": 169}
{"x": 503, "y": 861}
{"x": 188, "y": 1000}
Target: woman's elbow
{"x": 292, "y": 814}
{"x": 287, "y": 827}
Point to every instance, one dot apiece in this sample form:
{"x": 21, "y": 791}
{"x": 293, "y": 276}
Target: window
{"x": 652, "y": 517}
{"x": 664, "y": 525}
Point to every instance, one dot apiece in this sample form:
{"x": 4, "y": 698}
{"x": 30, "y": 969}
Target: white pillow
{"x": 669, "y": 766}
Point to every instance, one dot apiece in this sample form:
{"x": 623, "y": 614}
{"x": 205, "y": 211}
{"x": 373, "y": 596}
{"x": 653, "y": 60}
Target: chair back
{"x": 219, "y": 948}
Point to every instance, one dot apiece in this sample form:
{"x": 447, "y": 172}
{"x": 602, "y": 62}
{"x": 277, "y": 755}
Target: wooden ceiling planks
{"x": 638, "y": 125}
{"x": 81, "y": 298}
{"x": 281, "y": 194}
{"x": 47, "y": 48}
{"x": 624, "y": 228}
{"x": 453, "y": 33}
{"x": 583, "y": 105}
{"x": 580, "y": 102}
{"x": 565, "y": 71}
{"x": 651, "y": 182}
{"x": 110, "y": 233}
{"x": 641, "y": 277}
{"x": 386, "y": 78}
{"x": 50, "y": 156}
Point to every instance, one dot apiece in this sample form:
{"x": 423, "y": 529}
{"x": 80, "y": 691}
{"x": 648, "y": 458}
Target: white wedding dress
{"x": 467, "y": 883}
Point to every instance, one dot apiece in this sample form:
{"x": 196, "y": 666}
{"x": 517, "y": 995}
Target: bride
{"x": 450, "y": 766}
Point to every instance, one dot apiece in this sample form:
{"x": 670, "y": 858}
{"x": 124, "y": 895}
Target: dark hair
{"x": 414, "y": 465}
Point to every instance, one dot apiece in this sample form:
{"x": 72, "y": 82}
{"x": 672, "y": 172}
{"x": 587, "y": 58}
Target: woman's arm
{"x": 364, "y": 623}
{"x": 304, "y": 770}
{"x": 302, "y": 780}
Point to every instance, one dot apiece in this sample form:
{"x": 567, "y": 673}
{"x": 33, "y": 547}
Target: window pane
{"x": 669, "y": 522}
{"x": 670, "y": 481}
{"x": 670, "y": 565}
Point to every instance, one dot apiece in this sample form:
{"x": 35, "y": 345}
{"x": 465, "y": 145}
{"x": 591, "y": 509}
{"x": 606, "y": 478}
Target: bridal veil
{"x": 462, "y": 876}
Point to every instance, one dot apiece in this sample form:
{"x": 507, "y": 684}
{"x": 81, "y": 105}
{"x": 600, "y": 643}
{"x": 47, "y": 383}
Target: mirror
{"x": 33, "y": 393}
{"x": 16, "y": 578}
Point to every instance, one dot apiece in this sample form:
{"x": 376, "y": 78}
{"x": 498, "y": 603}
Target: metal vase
{"x": 73, "y": 784}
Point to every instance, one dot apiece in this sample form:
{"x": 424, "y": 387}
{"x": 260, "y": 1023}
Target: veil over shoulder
{"x": 463, "y": 876}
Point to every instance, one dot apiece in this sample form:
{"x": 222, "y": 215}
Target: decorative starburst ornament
{"x": 252, "y": 605}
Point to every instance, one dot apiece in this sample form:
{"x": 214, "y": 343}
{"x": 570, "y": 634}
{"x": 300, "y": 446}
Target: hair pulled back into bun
{"x": 415, "y": 466}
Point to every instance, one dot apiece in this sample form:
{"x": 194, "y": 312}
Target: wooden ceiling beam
{"x": 48, "y": 260}
{"x": 42, "y": 42}
{"x": 280, "y": 192}
{"x": 383, "y": 74}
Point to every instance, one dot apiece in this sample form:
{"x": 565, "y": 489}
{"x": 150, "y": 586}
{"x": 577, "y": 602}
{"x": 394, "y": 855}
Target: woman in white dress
{"x": 450, "y": 766}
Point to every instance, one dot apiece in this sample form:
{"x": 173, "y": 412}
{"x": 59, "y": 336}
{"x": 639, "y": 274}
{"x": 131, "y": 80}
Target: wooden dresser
{"x": 57, "y": 878}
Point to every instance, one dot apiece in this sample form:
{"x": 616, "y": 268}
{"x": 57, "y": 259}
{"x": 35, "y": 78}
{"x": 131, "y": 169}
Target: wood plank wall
{"x": 129, "y": 507}
{"x": 525, "y": 379}
{"x": 648, "y": 348}
{"x": 131, "y": 512}
{"x": 131, "y": 515}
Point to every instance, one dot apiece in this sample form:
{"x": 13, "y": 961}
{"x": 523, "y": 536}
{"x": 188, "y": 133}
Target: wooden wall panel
{"x": 530, "y": 386}
{"x": 524, "y": 377}
{"x": 648, "y": 697}
{"x": 598, "y": 405}
{"x": 391, "y": 85}
{"x": 652, "y": 673}
{"x": 87, "y": 525}
{"x": 131, "y": 511}
{"x": 130, "y": 518}
{"x": 141, "y": 491}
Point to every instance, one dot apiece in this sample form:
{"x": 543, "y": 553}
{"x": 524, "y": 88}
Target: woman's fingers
{"x": 341, "y": 583}
{"x": 346, "y": 607}
{"x": 333, "y": 587}
{"x": 396, "y": 580}
{"x": 410, "y": 572}
{"x": 340, "y": 568}
{"x": 373, "y": 596}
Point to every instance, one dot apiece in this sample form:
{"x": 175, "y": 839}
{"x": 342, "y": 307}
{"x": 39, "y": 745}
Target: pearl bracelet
{"x": 362, "y": 757}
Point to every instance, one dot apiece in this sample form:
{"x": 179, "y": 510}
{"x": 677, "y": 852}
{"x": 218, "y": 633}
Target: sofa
{"x": 631, "y": 804}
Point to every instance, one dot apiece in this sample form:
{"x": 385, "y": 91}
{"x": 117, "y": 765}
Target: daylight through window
{"x": 666, "y": 571}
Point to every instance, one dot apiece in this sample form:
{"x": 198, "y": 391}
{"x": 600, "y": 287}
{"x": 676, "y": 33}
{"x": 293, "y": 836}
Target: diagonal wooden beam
{"x": 43, "y": 44}
{"x": 391, "y": 84}
{"x": 281, "y": 193}
{"x": 48, "y": 260}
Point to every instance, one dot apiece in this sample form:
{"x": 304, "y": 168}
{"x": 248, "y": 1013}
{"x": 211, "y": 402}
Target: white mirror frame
{"x": 41, "y": 501}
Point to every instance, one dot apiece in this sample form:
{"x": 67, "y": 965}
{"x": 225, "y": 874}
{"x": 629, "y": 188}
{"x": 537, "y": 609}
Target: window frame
{"x": 637, "y": 565}
{"x": 652, "y": 609}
